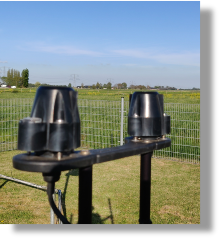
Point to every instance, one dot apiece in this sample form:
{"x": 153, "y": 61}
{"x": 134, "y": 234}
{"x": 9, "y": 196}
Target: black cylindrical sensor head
{"x": 54, "y": 123}
{"x": 146, "y": 116}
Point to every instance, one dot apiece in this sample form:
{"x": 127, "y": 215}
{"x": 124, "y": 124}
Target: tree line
{"x": 94, "y": 86}
{"x": 105, "y": 86}
{"x": 109, "y": 86}
{"x": 119, "y": 86}
{"x": 37, "y": 84}
{"x": 15, "y": 78}
{"x": 115, "y": 86}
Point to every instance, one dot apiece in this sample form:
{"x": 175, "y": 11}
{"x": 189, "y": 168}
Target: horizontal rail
{"x": 44, "y": 188}
{"x": 80, "y": 159}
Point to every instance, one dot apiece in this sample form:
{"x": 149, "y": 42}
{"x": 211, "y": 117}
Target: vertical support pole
{"x": 122, "y": 120}
{"x": 145, "y": 188}
{"x": 60, "y": 203}
{"x": 85, "y": 196}
{"x": 52, "y": 216}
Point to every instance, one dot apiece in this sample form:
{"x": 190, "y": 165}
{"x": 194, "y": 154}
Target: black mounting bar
{"x": 86, "y": 158}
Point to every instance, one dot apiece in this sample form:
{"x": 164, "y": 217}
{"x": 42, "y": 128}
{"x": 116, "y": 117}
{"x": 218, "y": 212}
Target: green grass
{"x": 175, "y": 193}
{"x": 17, "y": 93}
{"x": 170, "y": 96}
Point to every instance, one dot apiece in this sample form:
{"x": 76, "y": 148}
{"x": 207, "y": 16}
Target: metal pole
{"x": 52, "y": 212}
{"x": 38, "y": 187}
{"x": 60, "y": 203}
{"x": 85, "y": 196}
{"x": 25, "y": 183}
{"x": 122, "y": 120}
{"x": 145, "y": 188}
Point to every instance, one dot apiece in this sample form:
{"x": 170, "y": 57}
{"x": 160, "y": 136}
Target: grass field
{"x": 100, "y": 119}
{"x": 175, "y": 193}
{"x": 170, "y": 96}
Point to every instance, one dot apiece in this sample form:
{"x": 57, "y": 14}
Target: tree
{"x": 31, "y": 85}
{"x": 13, "y": 78}
{"x": 17, "y": 79}
{"x": 142, "y": 87}
{"x": 124, "y": 85}
{"x": 97, "y": 85}
{"x": 69, "y": 85}
{"x": 25, "y": 77}
{"x": 115, "y": 86}
{"x": 9, "y": 80}
{"x": 4, "y": 79}
{"x": 119, "y": 86}
{"x": 109, "y": 85}
{"x": 132, "y": 86}
{"x": 37, "y": 84}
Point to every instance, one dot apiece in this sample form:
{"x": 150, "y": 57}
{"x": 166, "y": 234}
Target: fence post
{"x": 122, "y": 120}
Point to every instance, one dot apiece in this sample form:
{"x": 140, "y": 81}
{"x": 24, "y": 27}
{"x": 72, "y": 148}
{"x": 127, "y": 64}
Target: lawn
{"x": 175, "y": 193}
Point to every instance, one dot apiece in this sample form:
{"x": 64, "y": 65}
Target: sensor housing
{"x": 146, "y": 116}
{"x": 54, "y": 123}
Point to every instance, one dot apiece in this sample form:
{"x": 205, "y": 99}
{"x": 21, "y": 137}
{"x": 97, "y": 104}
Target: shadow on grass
{"x": 72, "y": 172}
{"x": 3, "y": 184}
{"x": 96, "y": 218}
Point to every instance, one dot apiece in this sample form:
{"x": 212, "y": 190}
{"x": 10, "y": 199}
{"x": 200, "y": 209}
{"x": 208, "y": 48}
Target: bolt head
{"x": 85, "y": 152}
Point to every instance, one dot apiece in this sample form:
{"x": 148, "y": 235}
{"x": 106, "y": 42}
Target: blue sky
{"x": 148, "y": 43}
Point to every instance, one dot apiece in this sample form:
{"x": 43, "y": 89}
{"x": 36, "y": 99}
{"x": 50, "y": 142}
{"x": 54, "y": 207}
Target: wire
{"x": 50, "y": 191}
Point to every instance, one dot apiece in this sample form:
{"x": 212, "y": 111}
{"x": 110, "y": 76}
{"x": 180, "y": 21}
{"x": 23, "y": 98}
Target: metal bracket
{"x": 78, "y": 159}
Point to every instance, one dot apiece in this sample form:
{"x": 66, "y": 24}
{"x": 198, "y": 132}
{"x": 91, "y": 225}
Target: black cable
{"x": 50, "y": 191}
